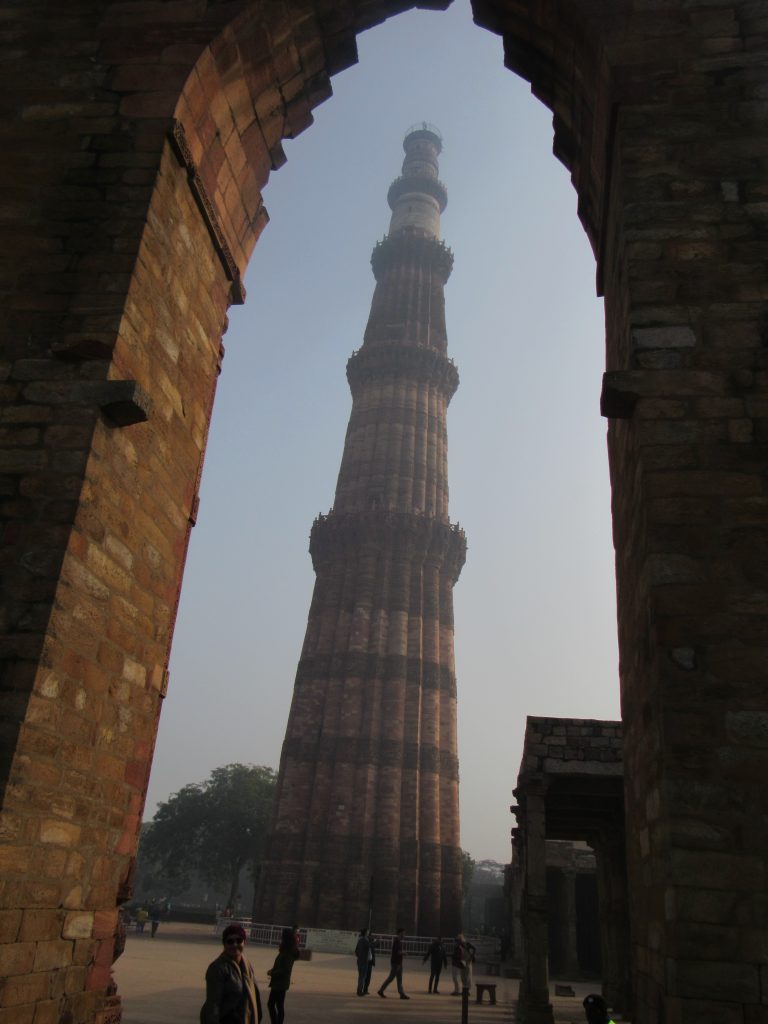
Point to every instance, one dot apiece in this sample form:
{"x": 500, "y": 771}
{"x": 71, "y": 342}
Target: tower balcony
{"x": 425, "y": 131}
{"x": 398, "y": 361}
{"x": 408, "y": 247}
{"x": 426, "y": 186}
{"x": 411, "y": 534}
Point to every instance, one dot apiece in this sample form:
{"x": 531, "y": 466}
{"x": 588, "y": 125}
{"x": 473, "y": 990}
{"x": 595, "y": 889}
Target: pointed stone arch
{"x": 139, "y": 138}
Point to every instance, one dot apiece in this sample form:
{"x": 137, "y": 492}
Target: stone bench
{"x": 486, "y": 986}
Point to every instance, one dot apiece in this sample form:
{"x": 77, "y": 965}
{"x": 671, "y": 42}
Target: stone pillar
{"x": 533, "y": 1005}
{"x": 571, "y": 967}
{"x": 613, "y": 913}
{"x": 515, "y": 882}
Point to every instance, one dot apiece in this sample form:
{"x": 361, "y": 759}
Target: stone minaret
{"x": 367, "y": 808}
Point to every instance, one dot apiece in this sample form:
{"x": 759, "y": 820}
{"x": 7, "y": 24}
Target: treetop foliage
{"x": 213, "y": 828}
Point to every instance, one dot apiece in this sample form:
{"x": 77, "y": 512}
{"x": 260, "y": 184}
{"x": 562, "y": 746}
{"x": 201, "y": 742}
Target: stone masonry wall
{"x": 76, "y": 787}
{"x": 557, "y": 746}
{"x": 685, "y": 303}
{"x": 659, "y": 113}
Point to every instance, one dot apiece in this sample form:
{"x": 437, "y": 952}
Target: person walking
{"x": 396, "y": 966}
{"x": 231, "y": 993}
{"x": 280, "y": 976}
{"x": 362, "y": 955}
{"x": 438, "y": 959}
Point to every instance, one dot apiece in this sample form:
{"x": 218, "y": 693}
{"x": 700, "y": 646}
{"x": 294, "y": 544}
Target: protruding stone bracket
{"x": 81, "y": 348}
{"x": 178, "y": 140}
{"x": 617, "y": 398}
{"x": 622, "y": 389}
{"x": 124, "y": 402}
{"x": 194, "y": 510}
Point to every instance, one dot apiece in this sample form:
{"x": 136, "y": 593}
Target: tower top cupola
{"x": 418, "y": 197}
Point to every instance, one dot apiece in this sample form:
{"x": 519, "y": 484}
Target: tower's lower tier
{"x": 366, "y": 823}
{"x": 344, "y": 885}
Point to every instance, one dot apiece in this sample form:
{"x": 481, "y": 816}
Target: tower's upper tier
{"x": 418, "y": 197}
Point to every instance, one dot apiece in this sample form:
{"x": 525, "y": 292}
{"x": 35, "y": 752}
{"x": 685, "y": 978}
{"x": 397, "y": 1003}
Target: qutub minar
{"x": 366, "y": 822}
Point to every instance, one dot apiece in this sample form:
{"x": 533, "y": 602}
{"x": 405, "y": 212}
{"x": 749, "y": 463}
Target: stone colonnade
{"x": 136, "y": 142}
{"x": 570, "y": 787}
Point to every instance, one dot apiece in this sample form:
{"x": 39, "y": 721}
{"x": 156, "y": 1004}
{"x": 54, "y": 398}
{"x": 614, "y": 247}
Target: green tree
{"x": 467, "y": 872}
{"x": 214, "y": 828}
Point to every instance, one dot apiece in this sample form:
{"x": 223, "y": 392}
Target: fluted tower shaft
{"x": 367, "y": 809}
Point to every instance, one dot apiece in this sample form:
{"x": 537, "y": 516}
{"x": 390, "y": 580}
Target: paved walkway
{"x": 161, "y": 981}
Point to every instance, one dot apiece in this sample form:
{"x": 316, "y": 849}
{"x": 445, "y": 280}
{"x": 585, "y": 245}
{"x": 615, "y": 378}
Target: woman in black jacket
{"x": 280, "y": 976}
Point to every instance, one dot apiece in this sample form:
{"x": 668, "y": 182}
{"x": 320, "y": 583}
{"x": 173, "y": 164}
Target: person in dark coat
{"x": 461, "y": 964}
{"x": 371, "y": 962}
{"x": 280, "y": 976}
{"x": 362, "y": 955}
{"x": 231, "y": 993}
{"x": 596, "y": 1009}
{"x": 396, "y": 966}
{"x": 438, "y": 959}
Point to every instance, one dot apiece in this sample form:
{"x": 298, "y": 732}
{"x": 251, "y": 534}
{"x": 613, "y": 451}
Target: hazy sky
{"x": 535, "y": 603}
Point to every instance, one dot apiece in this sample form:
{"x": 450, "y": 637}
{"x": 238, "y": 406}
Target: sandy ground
{"x": 160, "y": 981}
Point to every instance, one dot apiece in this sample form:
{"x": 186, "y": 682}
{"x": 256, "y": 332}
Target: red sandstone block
{"x": 18, "y": 1015}
{"x": 100, "y": 895}
{"x": 49, "y": 862}
{"x": 84, "y": 952}
{"x": 16, "y": 958}
{"x": 104, "y": 952}
{"x": 98, "y": 977}
{"x": 14, "y": 861}
{"x": 48, "y": 1012}
{"x": 74, "y": 980}
{"x": 10, "y": 921}
{"x": 50, "y": 956}
{"x": 40, "y": 924}
{"x": 28, "y": 988}
{"x": 104, "y": 924}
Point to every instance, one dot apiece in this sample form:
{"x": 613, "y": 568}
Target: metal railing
{"x": 413, "y": 945}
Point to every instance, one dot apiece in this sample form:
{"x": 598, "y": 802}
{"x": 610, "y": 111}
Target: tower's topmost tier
{"x": 418, "y": 197}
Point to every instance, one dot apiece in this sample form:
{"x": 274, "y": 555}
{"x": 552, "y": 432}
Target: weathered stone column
{"x": 610, "y": 858}
{"x": 571, "y": 967}
{"x": 533, "y": 1005}
{"x": 515, "y": 896}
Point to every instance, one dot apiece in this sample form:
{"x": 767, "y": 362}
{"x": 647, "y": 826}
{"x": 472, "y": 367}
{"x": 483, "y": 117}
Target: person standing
{"x": 231, "y": 993}
{"x": 596, "y": 1009}
{"x": 280, "y": 975}
{"x": 438, "y": 959}
{"x": 362, "y": 955}
{"x": 396, "y": 966}
{"x": 460, "y": 959}
{"x": 154, "y": 919}
{"x": 371, "y": 961}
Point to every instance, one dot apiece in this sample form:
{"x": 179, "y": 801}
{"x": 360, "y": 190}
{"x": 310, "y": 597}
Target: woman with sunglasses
{"x": 231, "y": 993}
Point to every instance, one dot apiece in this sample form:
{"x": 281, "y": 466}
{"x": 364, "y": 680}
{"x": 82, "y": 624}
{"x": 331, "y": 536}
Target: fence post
{"x": 464, "y": 1006}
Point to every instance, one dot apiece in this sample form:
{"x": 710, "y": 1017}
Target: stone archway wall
{"x": 137, "y": 140}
